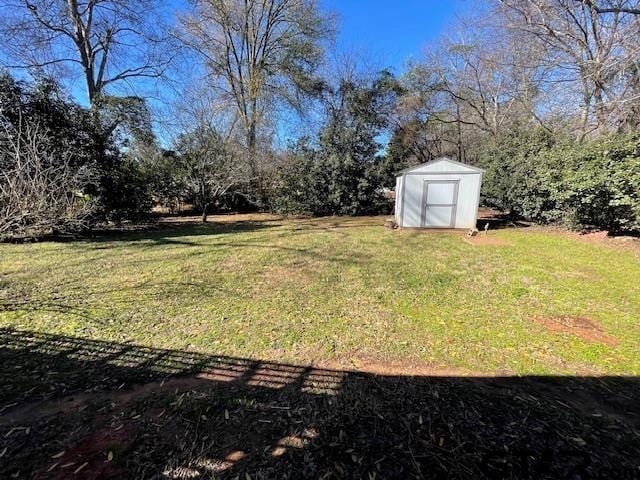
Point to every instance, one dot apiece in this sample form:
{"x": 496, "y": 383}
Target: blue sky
{"x": 384, "y": 34}
{"x": 392, "y": 31}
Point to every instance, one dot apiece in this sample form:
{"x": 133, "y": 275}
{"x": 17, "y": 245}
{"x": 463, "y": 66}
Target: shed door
{"x": 439, "y": 201}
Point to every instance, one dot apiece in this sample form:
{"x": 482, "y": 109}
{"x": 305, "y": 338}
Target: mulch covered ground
{"x": 75, "y": 408}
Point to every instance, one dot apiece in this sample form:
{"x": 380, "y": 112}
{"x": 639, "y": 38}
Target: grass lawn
{"x": 338, "y": 291}
{"x": 184, "y": 352}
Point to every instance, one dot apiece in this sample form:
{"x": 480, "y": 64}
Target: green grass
{"x": 335, "y": 289}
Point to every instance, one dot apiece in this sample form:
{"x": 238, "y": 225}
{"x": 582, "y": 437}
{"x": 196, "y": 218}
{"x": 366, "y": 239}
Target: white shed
{"x": 442, "y": 193}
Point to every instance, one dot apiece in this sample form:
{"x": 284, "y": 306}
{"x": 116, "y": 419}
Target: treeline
{"x": 232, "y": 106}
{"x": 545, "y": 95}
{"x": 67, "y": 168}
{"x": 341, "y": 170}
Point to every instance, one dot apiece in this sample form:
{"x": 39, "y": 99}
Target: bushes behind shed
{"x": 593, "y": 185}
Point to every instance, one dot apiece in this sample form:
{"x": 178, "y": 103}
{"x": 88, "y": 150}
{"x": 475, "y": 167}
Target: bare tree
{"x": 210, "y": 166}
{"x": 258, "y": 53}
{"x": 589, "y": 52}
{"x": 106, "y": 42}
{"x": 471, "y": 84}
{"x": 614, "y": 6}
{"x": 543, "y": 62}
{"x": 40, "y": 191}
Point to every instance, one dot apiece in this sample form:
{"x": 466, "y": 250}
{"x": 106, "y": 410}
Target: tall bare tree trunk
{"x": 584, "y": 112}
{"x": 459, "y": 133}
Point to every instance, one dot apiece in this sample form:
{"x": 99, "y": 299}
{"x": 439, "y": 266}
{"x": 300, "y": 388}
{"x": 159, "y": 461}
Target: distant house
{"x": 442, "y": 193}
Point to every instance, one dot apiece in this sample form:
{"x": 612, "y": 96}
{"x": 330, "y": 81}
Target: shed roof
{"x": 439, "y": 160}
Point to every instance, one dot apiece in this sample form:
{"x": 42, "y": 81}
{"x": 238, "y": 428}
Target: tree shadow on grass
{"x": 75, "y": 300}
{"x": 171, "y": 232}
{"x": 113, "y": 410}
{"x": 164, "y": 233}
{"x": 181, "y": 235}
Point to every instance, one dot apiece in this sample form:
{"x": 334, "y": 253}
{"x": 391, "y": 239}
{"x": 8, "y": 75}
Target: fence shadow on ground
{"x": 118, "y": 410}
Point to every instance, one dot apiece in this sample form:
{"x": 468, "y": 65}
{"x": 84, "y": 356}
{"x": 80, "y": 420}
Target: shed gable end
{"x": 441, "y": 165}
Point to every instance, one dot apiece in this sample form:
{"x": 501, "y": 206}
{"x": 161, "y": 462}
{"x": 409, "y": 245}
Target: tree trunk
{"x": 251, "y": 137}
{"x": 203, "y": 199}
{"x": 251, "y": 140}
{"x": 584, "y": 114}
{"x": 599, "y": 108}
{"x": 459, "y": 134}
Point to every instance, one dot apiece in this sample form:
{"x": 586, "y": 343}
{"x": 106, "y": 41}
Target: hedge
{"x": 595, "y": 185}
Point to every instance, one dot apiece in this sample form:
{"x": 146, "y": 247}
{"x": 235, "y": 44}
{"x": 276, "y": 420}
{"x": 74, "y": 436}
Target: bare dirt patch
{"x": 224, "y": 219}
{"x": 90, "y": 458}
{"x": 398, "y": 368}
{"x": 582, "y": 327}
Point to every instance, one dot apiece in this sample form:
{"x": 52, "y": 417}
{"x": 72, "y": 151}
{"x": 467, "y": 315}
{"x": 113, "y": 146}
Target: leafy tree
{"x": 511, "y": 176}
{"x": 554, "y": 180}
{"x": 597, "y": 185}
{"x": 165, "y": 174}
{"x": 123, "y": 121}
{"x": 343, "y": 174}
{"x": 411, "y": 143}
{"x": 67, "y": 124}
{"x": 303, "y": 188}
{"x": 125, "y": 193}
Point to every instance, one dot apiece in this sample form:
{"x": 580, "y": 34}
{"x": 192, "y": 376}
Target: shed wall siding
{"x": 398, "y": 198}
{"x": 468, "y": 192}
